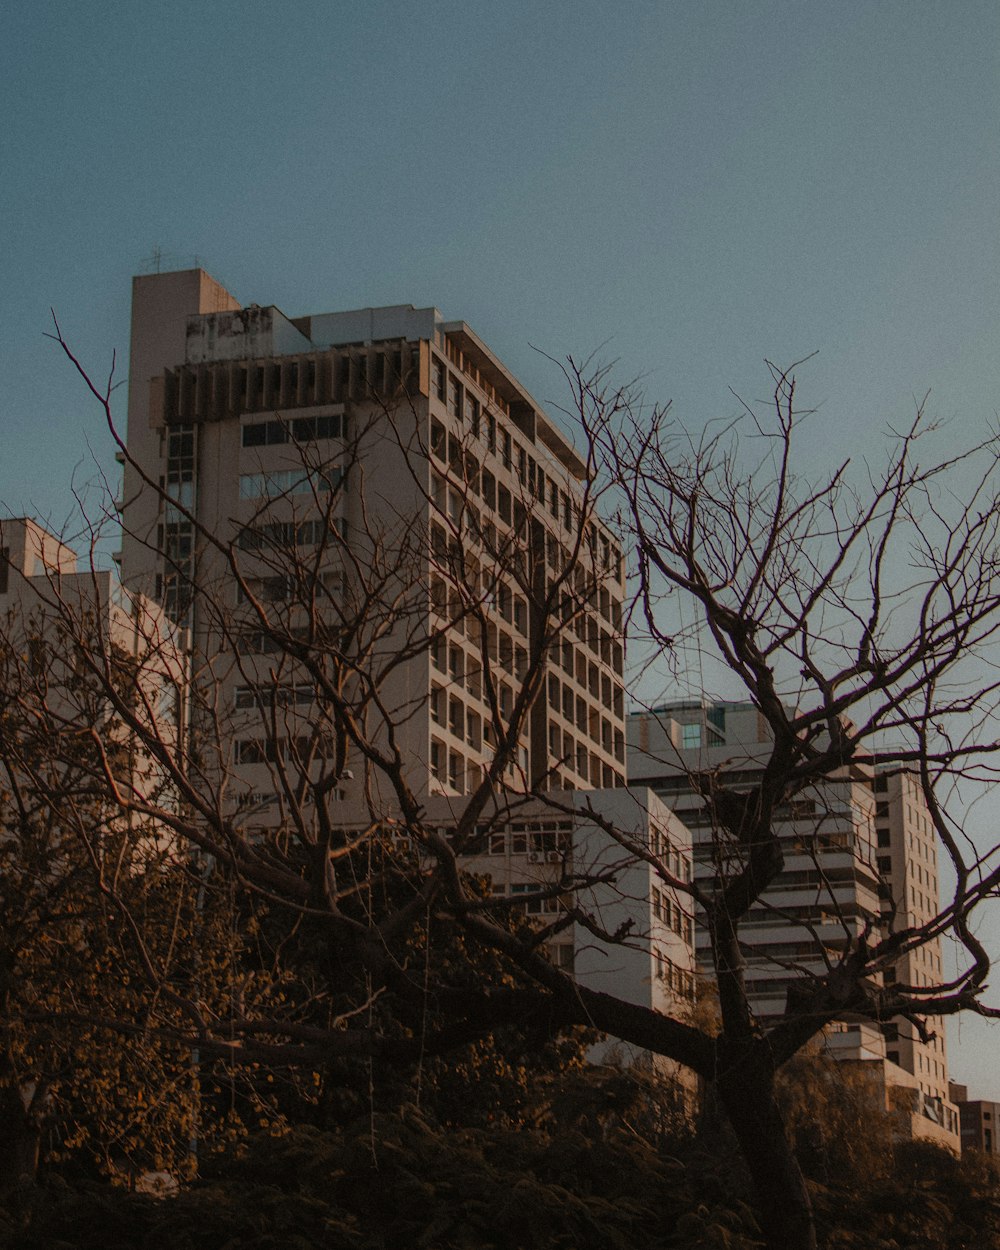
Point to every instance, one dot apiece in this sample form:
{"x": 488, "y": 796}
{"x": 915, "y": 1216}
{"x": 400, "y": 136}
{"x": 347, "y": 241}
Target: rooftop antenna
{"x": 155, "y": 262}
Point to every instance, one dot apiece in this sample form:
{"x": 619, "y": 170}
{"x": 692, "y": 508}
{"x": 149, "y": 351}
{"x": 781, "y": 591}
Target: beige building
{"x": 380, "y": 473}
{"x": 58, "y": 624}
{"x": 388, "y": 442}
{"x": 855, "y": 848}
{"x": 907, "y": 864}
{"x": 43, "y": 584}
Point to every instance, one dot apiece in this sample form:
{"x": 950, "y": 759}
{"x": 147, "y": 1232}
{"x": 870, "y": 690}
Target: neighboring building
{"x": 980, "y": 1121}
{"x": 906, "y": 860}
{"x": 384, "y": 435}
{"x": 52, "y": 616}
{"x": 850, "y": 846}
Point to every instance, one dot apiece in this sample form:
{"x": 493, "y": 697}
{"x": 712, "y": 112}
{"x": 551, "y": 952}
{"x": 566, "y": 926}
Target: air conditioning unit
{"x": 534, "y": 857}
{"x": 553, "y": 857}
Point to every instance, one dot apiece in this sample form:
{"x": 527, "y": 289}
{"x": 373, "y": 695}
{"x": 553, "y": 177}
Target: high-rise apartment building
{"x": 380, "y": 477}
{"x": 387, "y": 446}
{"x": 859, "y": 851}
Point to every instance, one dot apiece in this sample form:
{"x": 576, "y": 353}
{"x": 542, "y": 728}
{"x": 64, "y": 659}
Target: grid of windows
{"x": 584, "y": 734}
{"x": 176, "y": 536}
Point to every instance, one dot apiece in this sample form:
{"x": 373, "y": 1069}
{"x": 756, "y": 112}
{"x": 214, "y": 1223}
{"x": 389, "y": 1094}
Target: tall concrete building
{"x": 382, "y": 438}
{"x": 445, "y": 524}
{"x": 859, "y": 850}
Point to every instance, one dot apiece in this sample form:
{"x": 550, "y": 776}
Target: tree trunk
{"x": 20, "y": 1139}
{"x": 786, "y": 1213}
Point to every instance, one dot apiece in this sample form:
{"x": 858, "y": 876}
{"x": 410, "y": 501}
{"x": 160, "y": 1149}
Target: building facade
{"x": 907, "y": 864}
{"x": 979, "y": 1118}
{"x": 382, "y": 441}
{"x": 72, "y": 644}
{"x": 858, "y": 851}
{"x": 378, "y": 477}
{"x": 530, "y": 849}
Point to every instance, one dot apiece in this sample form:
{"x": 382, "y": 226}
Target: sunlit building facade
{"x": 394, "y": 441}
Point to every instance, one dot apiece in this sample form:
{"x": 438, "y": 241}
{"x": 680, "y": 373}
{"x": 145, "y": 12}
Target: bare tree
{"x": 858, "y": 613}
{"x": 796, "y": 590}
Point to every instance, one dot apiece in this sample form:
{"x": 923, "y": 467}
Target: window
{"x": 183, "y": 492}
{"x": 272, "y": 750}
{"x": 4, "y": 566}
{"x": 288, "y": 695}
{"x": 472, "y": 414}
{"x": 505, "y": 653}
{"x": 300, "y": 430}
{"x": 690, "y": 736}
{"x": 280, "y": 535}
{"x": 504, "y": 503}
{"x": 275, "y": 589}
{"x": 456, "y": 663}
{"x": 440, "y": 380}
{"x": 255, "y": 751}
{"x": 502, "y": 600}
{"x": 489, "y": 490}
{"x": 288, "y": 482}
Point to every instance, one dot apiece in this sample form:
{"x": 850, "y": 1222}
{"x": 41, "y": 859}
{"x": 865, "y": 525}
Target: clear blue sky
{"x": 693, "y": 186}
